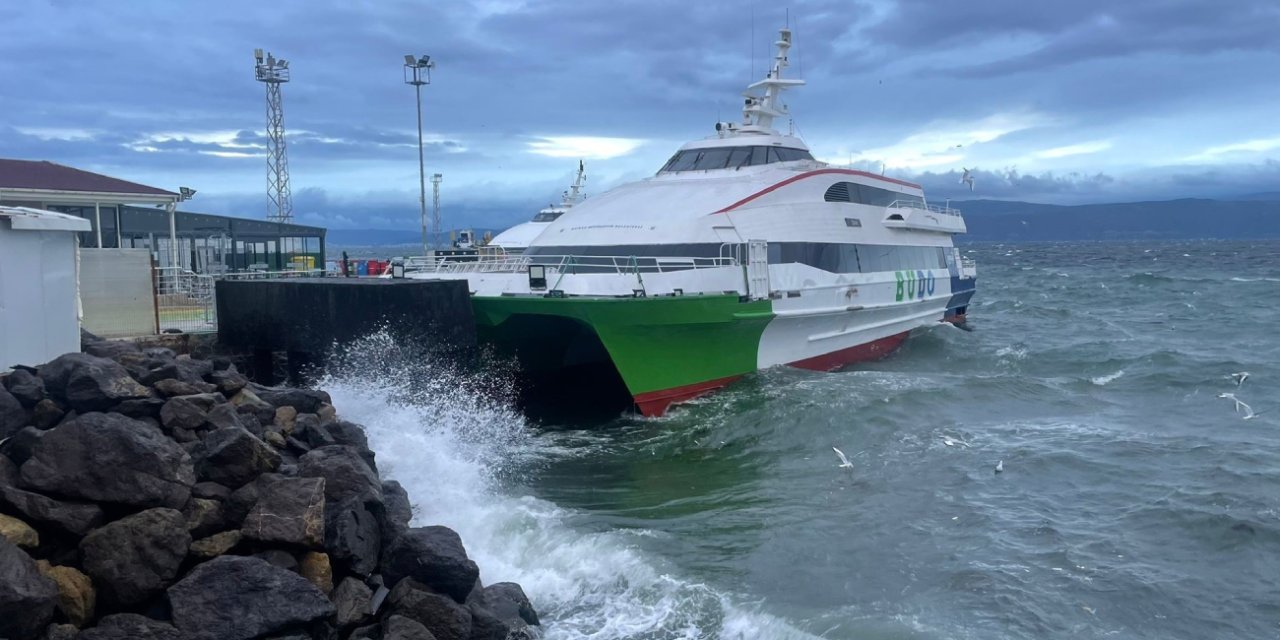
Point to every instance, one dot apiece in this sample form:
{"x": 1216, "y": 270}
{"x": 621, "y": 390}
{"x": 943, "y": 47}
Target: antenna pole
{"x": 274, "y": 72}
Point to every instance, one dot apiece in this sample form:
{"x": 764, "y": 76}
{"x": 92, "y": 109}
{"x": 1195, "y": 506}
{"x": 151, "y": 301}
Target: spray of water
{"x": 452, "y": 438}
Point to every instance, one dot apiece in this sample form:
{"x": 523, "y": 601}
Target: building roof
{"x": 25, "y": 218}
{"x": 43, "y": 175}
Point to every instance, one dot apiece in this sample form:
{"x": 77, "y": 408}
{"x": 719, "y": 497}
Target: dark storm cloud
{"x": 164, "y": 93}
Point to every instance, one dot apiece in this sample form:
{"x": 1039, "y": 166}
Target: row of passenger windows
{"x": 731, "y": 158}
{"x": 864, "y": 194}
{"x": 828, "y": 256}
{"x": 547, "y": 216}
{"x": 857, "y": 258}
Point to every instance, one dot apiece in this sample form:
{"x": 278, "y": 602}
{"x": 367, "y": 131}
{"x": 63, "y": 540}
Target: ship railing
{"x": 931, "y": 208}
{"x": 271, "y": 275}
{"x": 571, "y": 264}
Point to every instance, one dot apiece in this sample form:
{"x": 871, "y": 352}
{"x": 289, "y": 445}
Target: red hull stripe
{"x": 870, "y": 351}
{"x": 656, "y": 403}
{"x": 810, "y": 174}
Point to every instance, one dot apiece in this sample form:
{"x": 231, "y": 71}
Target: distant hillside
{"x": 1169, "y": 220}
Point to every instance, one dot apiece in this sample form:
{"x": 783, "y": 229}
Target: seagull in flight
{"x": 844, "y": 462}
{"x": 1240, "y": 377}
{"x": 1232, "y": 397}
{"x": 1000, "y": 467}
{"x": 1248, "y": 410}
{"x": 967, "y": 178}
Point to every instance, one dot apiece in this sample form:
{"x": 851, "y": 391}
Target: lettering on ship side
{"x": 913, "y": 284}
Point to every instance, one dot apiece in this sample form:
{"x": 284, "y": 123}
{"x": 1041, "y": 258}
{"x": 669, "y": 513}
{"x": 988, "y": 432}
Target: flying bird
{"x": 1232, "y": 397}
{"x": 1000, "y": 467}
{"x": 844, "y": 462}
{"x": 1240, "y": 377}
{"x": 967, "y": 178}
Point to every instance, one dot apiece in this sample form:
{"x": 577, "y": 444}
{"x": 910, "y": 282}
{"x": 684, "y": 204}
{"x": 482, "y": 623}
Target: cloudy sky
{"x": 1063, "y": 102}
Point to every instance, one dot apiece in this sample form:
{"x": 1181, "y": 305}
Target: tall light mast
{"x": 274, "y": 72}
{"x": 435, "y": 203}
{"x": 417, "y": 72}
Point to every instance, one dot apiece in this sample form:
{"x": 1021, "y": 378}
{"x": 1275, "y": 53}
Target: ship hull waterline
{"x": 669, "y": 349}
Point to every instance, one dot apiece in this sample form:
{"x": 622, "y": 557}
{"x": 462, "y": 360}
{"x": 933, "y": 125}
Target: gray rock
{"x": 246, "y": 401}
{"x": 211, "y": 491}
{"x": 204, "y": 517}
{"x": 288, "y": 510}
{"x": 352, "y": 599}
{"x": 304, "y": 400}
{"x": 508, "y": 601}
{"x": 224, "y": 416}
{"x": 60, "y": 632}
{"x": 89, "y": 383}
{"x": 348, "y": 433}
{"x": 171, "y": 388}
{"x": 72, "y": 517}
{"x": 240, "y": 598}
{"x": 111, "y": 458}
{"x": 402, "y": 628}
{"x": 234, "y": 456}
{"x": 182, "y": 368}
{"x": 131, "y": 626}
{"x": 141, "y": 408}
{"x": 27, "y": 387}
{"x": 229, "y": 381}
{"x": 20, "y": 445}
{"x": 135, "y": 558}
{"x": 13, "y": 416}
{"x": 216, "y": 544}
{"x": 279, "y": 558}
{"x": 346, "y": 475}
{"x": 46, "y": 414}
{"x": 433, "y": 556}
{"x": 188, "y": 412}
{"x": 27, "y": 598}
{"x": 397, "y": 512}
{"x": 353, "y": 537}
{"x": 440, "y": 614}
{"x": 367, "y": 632}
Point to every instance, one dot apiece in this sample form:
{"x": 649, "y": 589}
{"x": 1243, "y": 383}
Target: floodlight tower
{"x": 435, "y": 202}
{"x": 273, "y": 72}
{"x": 417, "y": 72}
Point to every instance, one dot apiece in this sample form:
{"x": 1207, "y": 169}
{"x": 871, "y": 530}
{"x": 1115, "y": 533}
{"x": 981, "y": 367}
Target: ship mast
{"x": 574, "y": 194}
{"x": 759, "y": 111}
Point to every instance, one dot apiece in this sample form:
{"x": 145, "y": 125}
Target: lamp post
{"x": 417, "y": 72}
{"x": 184, "y": 194}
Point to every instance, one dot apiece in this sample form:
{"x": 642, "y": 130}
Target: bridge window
{"x": 731, "y": 158}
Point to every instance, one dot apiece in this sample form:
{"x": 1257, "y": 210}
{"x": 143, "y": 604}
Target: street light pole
{"x": 413, "y": 74}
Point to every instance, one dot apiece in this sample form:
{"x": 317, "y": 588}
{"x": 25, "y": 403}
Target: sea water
{"x": 1134, "y": 502}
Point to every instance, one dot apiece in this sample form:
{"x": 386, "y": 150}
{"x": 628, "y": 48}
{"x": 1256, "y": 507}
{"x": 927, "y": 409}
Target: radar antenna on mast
{"x": 759, "y": 111}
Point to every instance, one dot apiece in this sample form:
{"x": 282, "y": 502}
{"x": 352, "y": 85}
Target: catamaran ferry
{"x": 741, "y": 253}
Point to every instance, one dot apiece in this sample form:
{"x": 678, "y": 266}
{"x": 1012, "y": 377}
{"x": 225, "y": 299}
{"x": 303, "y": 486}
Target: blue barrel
{"x": 362, "y": 268}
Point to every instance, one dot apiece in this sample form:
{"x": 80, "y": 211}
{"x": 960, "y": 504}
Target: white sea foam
{"x": 455, "y": 444}
{"x": 1102, "y": 381}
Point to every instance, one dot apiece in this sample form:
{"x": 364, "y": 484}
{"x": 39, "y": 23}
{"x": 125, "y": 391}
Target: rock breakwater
{"x": 149, "y": 495}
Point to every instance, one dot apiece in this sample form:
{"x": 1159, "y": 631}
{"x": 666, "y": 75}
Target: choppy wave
{"x": 453, "y": 440}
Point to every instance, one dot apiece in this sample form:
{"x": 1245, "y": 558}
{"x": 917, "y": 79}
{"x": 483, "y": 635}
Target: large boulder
{"x": 433, "y": 556}
{"x": 111, "y": 458}
{"x": 90, "y": 383}
{"x": 346, "y": 475}
{"x": 248, "y": 402}
{"x": 46, "y": 414}
{"x": 19, "y": 446}
{"x": 27, "y": 598}
{"x": 131, "y": 626}
{"x": 402, "y": 628}
{"x": 13, "y": 416}
{"x": 170, "y": 388}
{"x": 135, "y": 558}
{"x": 439, "y": 613}
{"x": 397, "y": 511}
{"x": 304, "y": 400}
{"x": 288, "y": 510}
{"x": 183, "y": 368}
{"x": 71, "y": 517}
{"x": 508, "y": 601}
{"x": 239, "y": 598}
{"x": 188, "y": 412}
{"x": 352, "y": 599}
{"x": 233, "y": 457}
{"x": 76, "y": 595}
{"x": 352, "y": 535}
{"x": 229, "y": 381}
{"x": 27, "y": 387}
